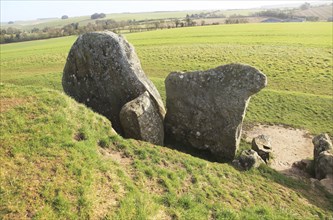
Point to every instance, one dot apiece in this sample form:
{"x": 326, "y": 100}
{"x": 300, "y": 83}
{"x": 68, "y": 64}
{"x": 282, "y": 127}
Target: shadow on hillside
{"x": 316, "y": 196}
{"x": 202, "y": 154}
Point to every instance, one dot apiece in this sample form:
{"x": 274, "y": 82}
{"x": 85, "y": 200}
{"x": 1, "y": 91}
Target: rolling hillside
{"x": 84, "y": 20}
{"x": 323, "y": 12}
{"x": 60, "y": 160}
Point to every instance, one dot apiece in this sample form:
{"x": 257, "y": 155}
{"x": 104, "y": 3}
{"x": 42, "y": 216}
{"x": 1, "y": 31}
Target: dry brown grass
{"x": 8, "y": 103}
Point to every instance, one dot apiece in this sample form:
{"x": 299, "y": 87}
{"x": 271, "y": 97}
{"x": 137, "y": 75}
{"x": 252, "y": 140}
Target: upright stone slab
{"x": 262, "y": 145}
{"x": 205, "y": 109}
{"x": 140, "y": 120}
{"x": 321, "y": 142}
{"x": 104, "y": 72}
{"x": 324, "y": 165}
{"x": 323, "y": 156}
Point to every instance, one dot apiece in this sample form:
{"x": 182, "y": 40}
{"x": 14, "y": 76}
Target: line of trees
{"x": 275, "y": 13}
{"x": 10, "y": 34}
{"x": 286, "y": 14}
{"x": 213, "y": 14}
{"x": 236, "y": 21}
{"x": 97, "y": 15}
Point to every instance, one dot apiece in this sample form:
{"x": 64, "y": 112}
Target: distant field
{"x": 323, "y": 12}
{"x": 296, "y": 57}
{"x": 84, "y": 20}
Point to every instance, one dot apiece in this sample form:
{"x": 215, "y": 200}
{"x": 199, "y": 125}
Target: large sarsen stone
{"x": 104, "y": 72}
{"x": 205, "y": 109}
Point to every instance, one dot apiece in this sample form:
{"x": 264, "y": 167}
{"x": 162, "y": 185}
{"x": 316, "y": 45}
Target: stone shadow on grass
{"x": 202, "y": 154}
{"x": 301, "y": 187}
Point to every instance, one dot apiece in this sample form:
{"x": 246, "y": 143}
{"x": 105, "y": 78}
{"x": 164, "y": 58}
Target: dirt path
{"x": 288, "y": 144}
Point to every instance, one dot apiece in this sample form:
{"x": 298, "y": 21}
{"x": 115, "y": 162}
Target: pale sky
{"x": 12, "y": 10}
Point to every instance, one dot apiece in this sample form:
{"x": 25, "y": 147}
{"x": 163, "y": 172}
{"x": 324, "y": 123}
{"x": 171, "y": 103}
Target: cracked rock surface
{"x": 141, "y": 121}
{"x": 205, "y": 109}
{"x": 103, "y": 72}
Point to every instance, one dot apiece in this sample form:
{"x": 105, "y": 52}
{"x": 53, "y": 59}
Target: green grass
{"x": 296, "y": 109}
{"x": 60, "y": 160}
{"x": 296, "y": 57}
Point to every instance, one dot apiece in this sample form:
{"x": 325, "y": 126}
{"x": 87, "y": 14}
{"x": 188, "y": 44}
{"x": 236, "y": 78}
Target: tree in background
{"x": 94, "y": 16}
{"x": 97, "y": 15}
{"x": 188, "y": 20}
{"x": 64, "y": 17}
{"x": 177, "y": 23}
{"x": 35, "y": 30}
{"x": 305, "y": 6}
{"x": 157, "y": 24}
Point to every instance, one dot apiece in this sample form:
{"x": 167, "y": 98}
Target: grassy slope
{"x": 323, "y": 12}
{"x": 59, "y": 160}
{"x": 296, "y": 57}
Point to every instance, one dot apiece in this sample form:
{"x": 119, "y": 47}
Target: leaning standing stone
{"x": 206, "y": 108}
{"x": 104, "y": 72}
{"x": 140, "y": 120}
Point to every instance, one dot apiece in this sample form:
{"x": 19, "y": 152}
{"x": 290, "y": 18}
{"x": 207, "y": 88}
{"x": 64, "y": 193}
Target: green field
{"x": 296, "y": 57}
{"x": 60, "y": 160}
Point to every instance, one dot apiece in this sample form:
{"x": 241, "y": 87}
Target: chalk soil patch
{"x": 289, "y": 145}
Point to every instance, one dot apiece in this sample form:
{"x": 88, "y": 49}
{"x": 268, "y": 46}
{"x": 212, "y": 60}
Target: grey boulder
{"x": 327, "y": 183}
{"x": 248, "y": 159}
{"x": 323, "y": 165}
{"x": 304, "y": 164}
{"x": 140, "y": 120}
{"x": 321, "y": 143}
{"x": 205, "y": 109}
{"x": 262, "y": 145}
{"x": 103, "y": 72}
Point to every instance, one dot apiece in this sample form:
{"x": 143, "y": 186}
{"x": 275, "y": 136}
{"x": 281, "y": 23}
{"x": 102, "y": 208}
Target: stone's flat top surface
{"x": 240, "y": 78}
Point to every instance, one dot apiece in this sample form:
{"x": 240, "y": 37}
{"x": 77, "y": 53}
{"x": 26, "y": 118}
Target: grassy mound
{"x": 60, "y": 160}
